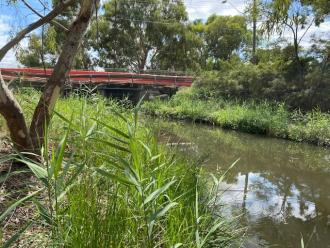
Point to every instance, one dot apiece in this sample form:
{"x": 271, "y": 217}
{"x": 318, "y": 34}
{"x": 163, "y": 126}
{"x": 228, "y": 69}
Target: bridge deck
{"x": 96, "y": 77}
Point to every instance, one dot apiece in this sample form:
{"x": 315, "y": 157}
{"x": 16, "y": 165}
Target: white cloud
{"x": 204, "y": 8}
{"x": 321, "y": 31}
{"x": 197, "y": 9}
{"x": 9, "y": 60}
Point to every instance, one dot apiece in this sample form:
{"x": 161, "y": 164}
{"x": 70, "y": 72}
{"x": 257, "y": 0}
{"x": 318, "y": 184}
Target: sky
{"x": 12, "y": 19}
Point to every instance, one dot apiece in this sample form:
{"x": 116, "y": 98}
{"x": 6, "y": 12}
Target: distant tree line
{"x": 235, "y": 57}
{"x": 151, "y": 34}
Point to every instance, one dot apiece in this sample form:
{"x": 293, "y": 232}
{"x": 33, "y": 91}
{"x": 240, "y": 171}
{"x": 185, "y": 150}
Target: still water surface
{"x": 281, "y": 188}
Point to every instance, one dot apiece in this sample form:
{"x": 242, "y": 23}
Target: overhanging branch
{"x": 40, "y": 15}
{"x": 47, "y": 18}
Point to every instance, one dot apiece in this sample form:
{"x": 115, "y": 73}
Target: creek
{"x": 280, "y": 189}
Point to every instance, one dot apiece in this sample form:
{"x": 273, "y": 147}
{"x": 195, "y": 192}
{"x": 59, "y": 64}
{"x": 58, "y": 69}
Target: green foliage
{"x": 321, "y": 9}
{"x": 130, "y": 32}
{"x": 44, "y": 48}
{"x": 36, "y": 54}
{"x": 277, "y": 77}
{"x": 249, "y": 116}
{"x": 224, "y": 35}
{"x": 107, "y": 183}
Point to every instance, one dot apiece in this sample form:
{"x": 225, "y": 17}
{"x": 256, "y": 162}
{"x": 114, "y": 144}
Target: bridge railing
{"x": 95, "y": 77}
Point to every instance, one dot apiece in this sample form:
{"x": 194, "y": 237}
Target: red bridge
{"x": 37, "y": 75}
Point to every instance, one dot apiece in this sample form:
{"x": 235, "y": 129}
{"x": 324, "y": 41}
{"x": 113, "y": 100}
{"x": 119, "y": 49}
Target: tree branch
{"x": 309, "y": 26}
{"x": 46, "y": 104}
{"x": 19, "y": 36}
{"x": 40, "y": 15}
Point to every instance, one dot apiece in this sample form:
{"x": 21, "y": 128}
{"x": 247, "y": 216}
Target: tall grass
{"x": 107, "y": 183}
{"x": 272, "y": 119}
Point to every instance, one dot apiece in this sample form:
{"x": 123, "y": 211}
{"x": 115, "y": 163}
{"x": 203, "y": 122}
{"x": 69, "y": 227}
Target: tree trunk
{"x": 13, "y": 114}
{"x": 55, "y": 83}
{"x": 254, "y": 41}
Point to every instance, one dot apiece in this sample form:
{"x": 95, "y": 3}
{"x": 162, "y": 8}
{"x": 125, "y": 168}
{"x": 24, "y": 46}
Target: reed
{"x": 104, "y": 181}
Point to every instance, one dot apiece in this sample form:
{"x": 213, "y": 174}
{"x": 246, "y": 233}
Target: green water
{"x": 280, "y": 188}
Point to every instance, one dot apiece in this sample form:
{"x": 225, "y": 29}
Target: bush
{"x": 266, "y": 81}
{"x": 259, "y": 117}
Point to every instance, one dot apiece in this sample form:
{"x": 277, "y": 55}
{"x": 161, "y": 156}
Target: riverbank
{"x": 106, "y": 182}
{"x": 273, "y": 184}
{"x": 264, "y": 118}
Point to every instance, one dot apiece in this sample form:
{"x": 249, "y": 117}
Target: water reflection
{"x": 281, "y": 187}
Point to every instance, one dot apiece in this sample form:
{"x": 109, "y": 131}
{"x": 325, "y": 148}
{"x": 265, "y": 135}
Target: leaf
{"x": 196, "y": 203}
{"x": 114, "y": 177}
{"x": 43, "y": 212}
{"x": 119, "y": 140}
{"x": 16, "y": 204}
{"x": 155, "y": 157}
{"x": 119, "y": 115}
{"x": 132, "y": 176}
{"x": 60, "y": 154}
{"x": 113, "y": 129}
{"x": 136, "y": 111}
{"x": 158, "y": 192}
{"x": 177, "y": 245}
{"x": 37, "y": 170}
{"x": 5, "y": 177}
{"x": 138, "y": 105}
{"x": 146, "y": 148}
{"x": 5, "y": 159}
{"x": 90, "y": 131}
{"x": 229, "y": 168}
{"x": 118, "y": 147}
{"x": 75, "y": 175}
{"x": 16, "y": 236}
{"x": 161, "y": 212}
{"x": 71, "y": 124}
{"x": 302, "y": 243}
{"x": 217, "y": 224}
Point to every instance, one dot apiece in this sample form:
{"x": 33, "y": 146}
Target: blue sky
{"x": 13, "y": 18}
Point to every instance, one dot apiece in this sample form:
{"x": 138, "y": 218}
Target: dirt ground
{"x": 15, "y": 183}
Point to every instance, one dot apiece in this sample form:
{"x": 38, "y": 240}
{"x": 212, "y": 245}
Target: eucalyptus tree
{"x": 321, "y": 9}
{"x": 224, "y": 35}
{"x": 32, "y": 139}
{"x": 44, "y": 47}
{"x": 295, "y": 16}
{"x": 134, "y": 34}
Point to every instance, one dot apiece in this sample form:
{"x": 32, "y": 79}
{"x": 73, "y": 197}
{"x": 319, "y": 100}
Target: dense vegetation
{"x": 101, "y": 179}
{"x": 108, "y": 183}
{"x": 277, "y": 77}
{"x": 229, "y": 59}
{"x": 265, "y": 118}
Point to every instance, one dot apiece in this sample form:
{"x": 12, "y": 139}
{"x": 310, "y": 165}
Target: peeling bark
{"x": 55, "y": 83}
{"x": 32, "y": 139}
{"x": 13, "y": 114}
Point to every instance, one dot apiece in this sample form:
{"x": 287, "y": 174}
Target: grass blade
{"x": 161, "y": 212}
{"x": 60, "y": 155}
{"x": 108, "y": 143}
{"x": 116, "y": 130}
{"x": 37, "y": 170}
{"x": 5, "y": 177}
{"x": 16, "y": 204}
{"x": 158, "y": 192}
{"x": 16, "y": 236}
{"x": 43, "y": 212}
{"x": 114, "y": 177}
